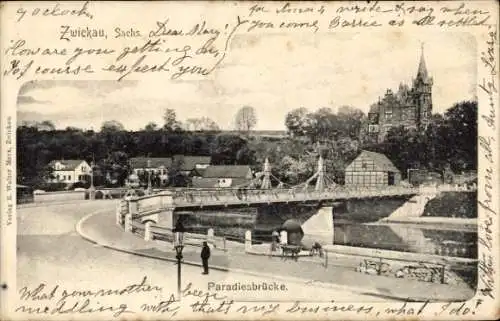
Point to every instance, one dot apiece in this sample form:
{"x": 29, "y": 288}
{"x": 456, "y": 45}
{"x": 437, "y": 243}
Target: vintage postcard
{"x": 249, "y": 160}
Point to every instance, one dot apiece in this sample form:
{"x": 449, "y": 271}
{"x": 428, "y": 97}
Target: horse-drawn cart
{"x": 290, "y": 251}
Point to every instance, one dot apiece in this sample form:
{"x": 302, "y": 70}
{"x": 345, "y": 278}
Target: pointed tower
{"x": 266, "y": 177}
{"x": 422, "y": 68}
{"x": 320, "y": 180}
{"x": 422, "y": 93}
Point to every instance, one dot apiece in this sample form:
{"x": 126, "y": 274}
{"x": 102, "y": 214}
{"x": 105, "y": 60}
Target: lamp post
{"x": 179, "y": 246}
{"x": 149, "y": 176}
{"x": 92, "y": 187}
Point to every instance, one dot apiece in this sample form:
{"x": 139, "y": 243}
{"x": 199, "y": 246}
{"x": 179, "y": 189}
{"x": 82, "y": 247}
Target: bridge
{"x": 318, "y": 189}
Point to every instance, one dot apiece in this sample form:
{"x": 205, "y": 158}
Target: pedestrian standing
{"x": 205, "y": 255}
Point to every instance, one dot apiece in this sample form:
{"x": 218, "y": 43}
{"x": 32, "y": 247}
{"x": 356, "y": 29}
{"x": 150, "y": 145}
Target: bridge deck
{"x": 189, "y": 198}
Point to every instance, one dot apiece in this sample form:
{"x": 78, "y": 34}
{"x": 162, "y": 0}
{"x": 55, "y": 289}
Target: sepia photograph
{"x": 344, "y": 169}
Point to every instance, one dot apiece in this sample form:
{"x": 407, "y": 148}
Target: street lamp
{"x": 149, "y": 176}
{"x": 92, "y": 188}
{"x": 179, "y": 246}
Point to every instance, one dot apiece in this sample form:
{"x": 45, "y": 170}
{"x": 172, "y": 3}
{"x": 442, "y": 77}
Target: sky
{"x": 272, "y": 73}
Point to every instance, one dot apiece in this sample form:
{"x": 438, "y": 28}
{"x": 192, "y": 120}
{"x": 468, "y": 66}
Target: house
{"x": 220, "y": 176}
{"x": 410, "y": 107}
{"x": 69, "y": 170}
{"x": 372, "y": 169}
{"x": 156, "y": 165}
{"x": 188, "y": 165}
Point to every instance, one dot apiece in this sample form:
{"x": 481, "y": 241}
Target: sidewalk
{"x": 102, "y": 230}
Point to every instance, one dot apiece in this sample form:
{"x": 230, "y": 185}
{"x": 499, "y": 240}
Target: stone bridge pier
{"x": 320, "y": 225}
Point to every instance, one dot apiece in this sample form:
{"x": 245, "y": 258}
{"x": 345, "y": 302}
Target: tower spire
{"x": 422, "y": 69}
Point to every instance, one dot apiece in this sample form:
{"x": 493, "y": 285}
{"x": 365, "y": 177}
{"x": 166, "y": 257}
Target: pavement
{"x": 51, "y": 253}
{"x": 100, "y": 228}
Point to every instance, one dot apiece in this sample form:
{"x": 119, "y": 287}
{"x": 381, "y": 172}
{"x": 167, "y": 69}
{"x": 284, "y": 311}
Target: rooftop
{"x": 381, "y": 161}
{"x": 229, "y": 171}
{"x": 154, "y": 162}
{"x": 188, "y": 163}
{"x": 69, "y": 164}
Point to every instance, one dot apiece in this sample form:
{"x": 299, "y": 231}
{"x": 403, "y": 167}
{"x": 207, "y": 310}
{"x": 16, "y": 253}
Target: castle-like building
{"x": 408, "y": 107}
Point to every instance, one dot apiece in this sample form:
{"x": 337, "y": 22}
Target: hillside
{"x": 453, "y": 204}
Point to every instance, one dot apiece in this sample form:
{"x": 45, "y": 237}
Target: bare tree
{"x": 203, "y": 123}
{"x": 169, "y": 119}
{"x": 245, "y": 119}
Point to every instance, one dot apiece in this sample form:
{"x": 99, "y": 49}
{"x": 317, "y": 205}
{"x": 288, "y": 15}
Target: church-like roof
{"x": 422, "y": 69}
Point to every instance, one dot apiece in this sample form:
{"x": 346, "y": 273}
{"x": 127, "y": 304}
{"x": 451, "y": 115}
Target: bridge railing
{"x": 227, "y": 197}
{"x": 165, "y": 234}
{"x": 190, "y": 197}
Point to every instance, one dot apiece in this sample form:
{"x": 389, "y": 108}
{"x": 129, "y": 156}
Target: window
{"x": 388, "y": 114}
{"x": 373, "y": 128}
{"x": 69, "y": 177}
{"x": 364, "y": 165}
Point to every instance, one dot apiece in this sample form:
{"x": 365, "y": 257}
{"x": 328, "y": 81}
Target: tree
{"x": 116, "y": 167}
{"x": 224, "y": 150}
{"x": 293, "y": 171}
{"x": 112, "y": 126}
{"x": 324, "y": 125}
{"x": 461, "y": 118}
{"x": 350, "y": 121}
{"x": 298, "y": 122}
{"x": 170, "y": 120}
{"x": 201, "y": 124}
{"x": 46, "y": 125}
{"x": 151, "y": 126}
{"x": 245, "y": 119}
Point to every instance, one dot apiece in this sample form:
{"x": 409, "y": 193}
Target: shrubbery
{"x": 51, "y": 187}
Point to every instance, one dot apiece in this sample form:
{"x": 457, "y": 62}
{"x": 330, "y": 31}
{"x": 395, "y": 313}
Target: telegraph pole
{"x": 92, "y": 187}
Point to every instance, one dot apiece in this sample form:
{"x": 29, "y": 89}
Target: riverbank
{"x": 101, "y": 229}
{"x": 436, "y": 223}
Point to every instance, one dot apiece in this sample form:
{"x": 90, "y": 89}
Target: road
{"x": 51, "y": 252}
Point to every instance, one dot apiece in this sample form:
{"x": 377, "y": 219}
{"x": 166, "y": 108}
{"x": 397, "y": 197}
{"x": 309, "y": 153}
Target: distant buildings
{"x": 223, "y": 176}
{"x": 372, "y": 169}
{"x": 156, "y": 165}
{"x": 180, "y": 166}
{"x": 161, "y": 165}
{"x": 408, "y": 107}
{"x": 68, "y": 170}
{"x": 191, "y": 165}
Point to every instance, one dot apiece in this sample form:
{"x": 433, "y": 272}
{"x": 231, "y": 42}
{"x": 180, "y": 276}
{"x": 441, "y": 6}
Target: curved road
{"x": 51, "y": 252}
